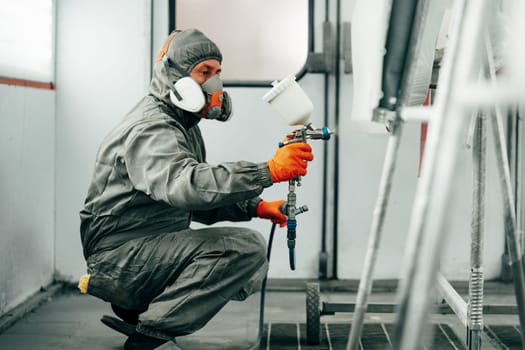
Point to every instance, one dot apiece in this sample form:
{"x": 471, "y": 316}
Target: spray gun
{"x": 293, "y": 104}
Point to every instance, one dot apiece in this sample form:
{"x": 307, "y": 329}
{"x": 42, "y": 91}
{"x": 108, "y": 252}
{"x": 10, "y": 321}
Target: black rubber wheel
{"x": 313, "y": 314}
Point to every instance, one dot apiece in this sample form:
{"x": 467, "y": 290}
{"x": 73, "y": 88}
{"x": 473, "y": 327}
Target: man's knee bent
{"x": 250, "y": 247}
{"x": 251, "y": 244}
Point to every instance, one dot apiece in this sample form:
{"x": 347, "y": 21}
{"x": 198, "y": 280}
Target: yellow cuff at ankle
{"x": 83, "y": 283}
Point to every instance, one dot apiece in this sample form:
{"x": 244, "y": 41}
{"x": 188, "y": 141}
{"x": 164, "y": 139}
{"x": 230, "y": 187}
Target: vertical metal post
{"x": 378, "y": 219}
{"x": 172, "y": 10}
{"x": 520, "y": 175}
{"x": 513, "y": 244}
{"x": 506, "y": 269}
{"x": 427, "y": 232}
{"x": 475, "y": 305}
{"x": 515, "y": 254}
{"x": 515, "y": 148}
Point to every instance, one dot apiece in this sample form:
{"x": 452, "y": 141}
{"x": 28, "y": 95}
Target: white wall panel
{"x": 27, "y": 192}
{"x": 102, "y": 71}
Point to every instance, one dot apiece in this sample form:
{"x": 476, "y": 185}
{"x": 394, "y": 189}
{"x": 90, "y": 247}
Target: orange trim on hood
{"x": 164, "y": 50}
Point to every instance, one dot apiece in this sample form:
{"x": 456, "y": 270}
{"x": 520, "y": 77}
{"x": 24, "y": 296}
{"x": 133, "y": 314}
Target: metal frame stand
{"x": 462, "y": 63}
{"x": 427, "y": 230}
{"x": 475, "y": 305}
{"x": 365, "y": 285}
{"x": 393, "y": 118}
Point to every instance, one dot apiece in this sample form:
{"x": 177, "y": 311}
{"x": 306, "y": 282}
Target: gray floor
{"x": 69, "y": 320}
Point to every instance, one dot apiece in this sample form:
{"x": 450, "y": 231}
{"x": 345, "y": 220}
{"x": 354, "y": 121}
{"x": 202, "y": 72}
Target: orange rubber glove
{"x": 290, "y": 161}
{"x": 272, "y": 211}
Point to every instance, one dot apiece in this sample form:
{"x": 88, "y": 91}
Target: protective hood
{"x": 182, "y": 51}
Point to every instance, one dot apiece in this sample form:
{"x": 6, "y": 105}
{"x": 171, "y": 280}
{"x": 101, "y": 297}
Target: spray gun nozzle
{"x": 307, "y": 133}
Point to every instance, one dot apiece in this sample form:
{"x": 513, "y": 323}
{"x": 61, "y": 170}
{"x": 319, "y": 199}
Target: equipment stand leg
{"x": 475, "y": 305}
{"x": 427, "y": 232}
{"x": 378, "y": 219}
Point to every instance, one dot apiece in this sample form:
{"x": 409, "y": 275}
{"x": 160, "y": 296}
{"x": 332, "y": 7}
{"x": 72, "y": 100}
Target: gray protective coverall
{"x": 150, "y": 181}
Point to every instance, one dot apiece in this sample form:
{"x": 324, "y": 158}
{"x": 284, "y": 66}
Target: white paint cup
{"x": 290, "y": 101}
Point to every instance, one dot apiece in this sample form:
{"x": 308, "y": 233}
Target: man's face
{"x": 205, "y": 70}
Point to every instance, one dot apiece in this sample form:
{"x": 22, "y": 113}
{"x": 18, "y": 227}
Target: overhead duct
{"x": 421, "y": 54}
{"x": 397, "y": 47}
{"x": 394, "y": 45}
{"x": 370, "y": 19}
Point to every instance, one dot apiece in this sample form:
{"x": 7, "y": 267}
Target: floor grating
{"x": 288, "y": 336}
{"x": 507, "y": 337}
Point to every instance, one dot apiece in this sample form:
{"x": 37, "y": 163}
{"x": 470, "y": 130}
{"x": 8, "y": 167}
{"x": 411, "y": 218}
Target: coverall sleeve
{"x": 162, "y": 163}
{"x": 240, "y": 211}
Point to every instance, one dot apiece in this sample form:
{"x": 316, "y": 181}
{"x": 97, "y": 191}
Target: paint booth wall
{"x": 102, "y": 72}
{"x": 103, "y": 68}
{"x": 50, "y": 138}
{"x": 27, "y": 191}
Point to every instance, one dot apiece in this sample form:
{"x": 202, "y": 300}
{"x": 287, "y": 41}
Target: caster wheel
{"x": 313, "y": 314}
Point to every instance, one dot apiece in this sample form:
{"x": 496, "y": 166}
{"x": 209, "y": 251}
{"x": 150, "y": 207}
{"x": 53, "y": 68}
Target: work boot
{"x": 118, "y": 325}
{"x": 128, "y": 316}
{"x": 139, "y": 341}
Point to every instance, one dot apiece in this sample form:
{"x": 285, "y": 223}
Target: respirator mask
{"x": 208, "y": 100}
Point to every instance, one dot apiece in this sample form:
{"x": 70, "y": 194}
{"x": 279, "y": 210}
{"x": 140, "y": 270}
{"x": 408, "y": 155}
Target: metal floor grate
{"x": 288, "y": 336}
{"x": 507, "y": 337}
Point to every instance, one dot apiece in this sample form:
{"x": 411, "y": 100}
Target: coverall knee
{"x": 181, "y": 279}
